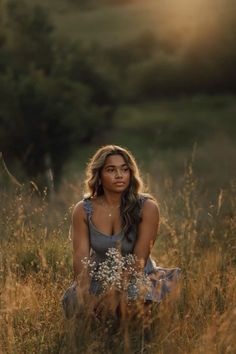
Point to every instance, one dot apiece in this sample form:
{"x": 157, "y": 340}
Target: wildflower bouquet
{"x": 119, "y": 273}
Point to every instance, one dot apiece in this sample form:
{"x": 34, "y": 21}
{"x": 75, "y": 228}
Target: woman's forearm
{"x": 81, "y": 273}
{"x": 77, "y": 266}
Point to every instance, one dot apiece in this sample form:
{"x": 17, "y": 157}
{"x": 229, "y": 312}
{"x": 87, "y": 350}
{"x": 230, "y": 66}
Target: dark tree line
{"x": 57, "y": 95}
{"x": 52, "y": 97}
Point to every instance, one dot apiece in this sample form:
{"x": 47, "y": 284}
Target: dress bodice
{"x": 100, "y": 243}
{"x": 162, "y": 279}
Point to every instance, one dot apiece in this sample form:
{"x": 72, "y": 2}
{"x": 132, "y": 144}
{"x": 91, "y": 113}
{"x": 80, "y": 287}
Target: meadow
{"x": 197, "y": 233}
{"x": 174, "y": 108}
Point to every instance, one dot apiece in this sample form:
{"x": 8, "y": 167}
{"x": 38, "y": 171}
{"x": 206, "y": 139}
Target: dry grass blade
{"x": 8, "y": 173}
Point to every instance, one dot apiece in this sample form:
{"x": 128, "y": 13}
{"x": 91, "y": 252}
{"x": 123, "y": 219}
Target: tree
{"x": 52, "y": 98}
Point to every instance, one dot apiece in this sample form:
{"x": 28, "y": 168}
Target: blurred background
{"x": 155, "y": 76}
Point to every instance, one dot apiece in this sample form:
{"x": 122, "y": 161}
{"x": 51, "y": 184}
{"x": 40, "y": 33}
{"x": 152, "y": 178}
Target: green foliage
{"x": 59, "y": 98}
{"x": 181, "y": 62}
{"x": 178, "y": 122}
{"x": 30, "y": 36}
{"x": 50, "y": 116}
{"x": 52, "y": 96}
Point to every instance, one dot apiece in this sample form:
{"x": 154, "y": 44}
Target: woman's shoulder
{"x": 146, "y": 198}
{"x": 148, "y": 203}
{"x": 87, "y": 204}
{"x": 79, "y": 208}
{"x": 86, "y": 200}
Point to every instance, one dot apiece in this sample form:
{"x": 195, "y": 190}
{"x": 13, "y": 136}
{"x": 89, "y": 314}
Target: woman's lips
{"x": 119, "y": 183}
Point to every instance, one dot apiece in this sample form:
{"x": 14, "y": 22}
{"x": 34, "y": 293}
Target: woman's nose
{"x": 118, "y": 173}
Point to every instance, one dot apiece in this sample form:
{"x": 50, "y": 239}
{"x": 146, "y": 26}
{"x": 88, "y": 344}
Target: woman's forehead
{"x": 115, "y": 160}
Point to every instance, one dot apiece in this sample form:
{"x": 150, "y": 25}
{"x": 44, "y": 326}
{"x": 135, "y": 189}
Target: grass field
{"x": 198, "y": 215}
{"x": 196, "y": 233}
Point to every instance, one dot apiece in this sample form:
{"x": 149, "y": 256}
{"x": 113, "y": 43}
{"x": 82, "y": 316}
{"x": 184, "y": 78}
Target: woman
{"x": 115, "y": 214}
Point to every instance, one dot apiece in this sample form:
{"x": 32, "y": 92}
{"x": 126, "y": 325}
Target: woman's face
{"x": 115, "y": 174}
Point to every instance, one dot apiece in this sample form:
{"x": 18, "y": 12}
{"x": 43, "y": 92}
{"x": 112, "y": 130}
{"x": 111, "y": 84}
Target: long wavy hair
{"x": 130, "y": 199}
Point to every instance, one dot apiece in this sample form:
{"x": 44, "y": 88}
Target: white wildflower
{"x": 117, "y": 272}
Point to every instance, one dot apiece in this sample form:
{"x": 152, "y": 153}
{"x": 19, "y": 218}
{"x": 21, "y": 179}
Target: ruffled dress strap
{"x": 88, "y": 206}
{"x": 141, "y": 201}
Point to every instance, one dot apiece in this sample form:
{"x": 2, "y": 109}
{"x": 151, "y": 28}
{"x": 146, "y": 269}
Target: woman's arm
{"x": 147, "y": 232}
{"x": 81, "y": 245}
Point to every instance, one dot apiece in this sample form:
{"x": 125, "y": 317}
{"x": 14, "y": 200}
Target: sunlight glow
{"x": 185, "y": 22}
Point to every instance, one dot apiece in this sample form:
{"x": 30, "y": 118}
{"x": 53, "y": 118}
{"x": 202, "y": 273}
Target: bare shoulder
{"x": 150, "y": 209}
{"x": 150, "y": 205}
{"x": 79, "y": 211}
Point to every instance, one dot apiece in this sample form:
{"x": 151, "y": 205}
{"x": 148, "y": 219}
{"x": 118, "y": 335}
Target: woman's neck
{"x": 111, "y": 199}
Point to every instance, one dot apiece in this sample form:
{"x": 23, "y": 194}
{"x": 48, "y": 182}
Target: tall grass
{"x": 196, "y": 234}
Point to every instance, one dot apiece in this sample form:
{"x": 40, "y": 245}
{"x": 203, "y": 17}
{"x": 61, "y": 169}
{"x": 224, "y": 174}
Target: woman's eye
{"x": 110, "y": 169}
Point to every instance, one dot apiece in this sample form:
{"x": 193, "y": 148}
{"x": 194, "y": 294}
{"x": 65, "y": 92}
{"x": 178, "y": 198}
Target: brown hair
{"x": 130, "y": 200}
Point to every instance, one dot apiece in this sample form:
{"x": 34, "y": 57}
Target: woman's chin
{"x": 119, "y": 188}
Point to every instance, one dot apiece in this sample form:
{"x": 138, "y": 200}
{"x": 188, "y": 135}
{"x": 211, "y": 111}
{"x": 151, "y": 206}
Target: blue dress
{"x": 162, "y": 279}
